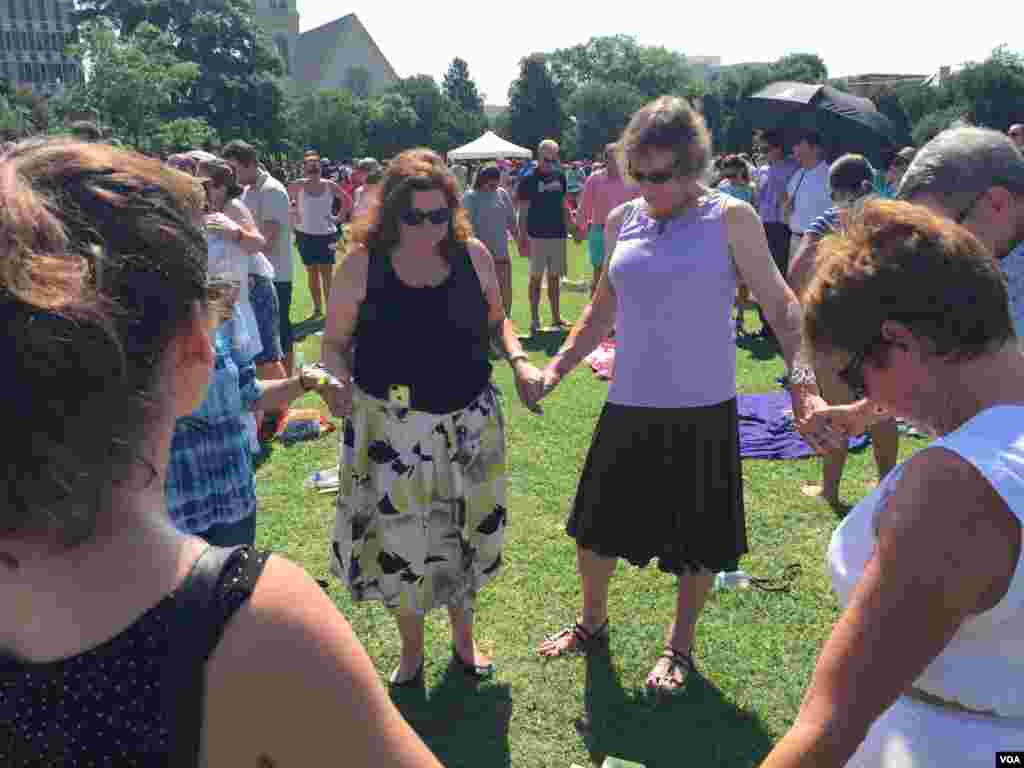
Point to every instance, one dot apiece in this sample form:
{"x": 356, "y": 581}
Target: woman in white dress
{"x": 925, "y": 667}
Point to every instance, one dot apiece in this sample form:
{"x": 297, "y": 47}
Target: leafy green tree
{"x": 391, "y": 125}
{"x": 133, "y": 81}
{"x": 535, "y": 109}
{"x": 460, "y": 87}
{"x": 601, "y": 111}
{"x": 994, "y": 89}
{"x": 332, "y": 121}
{"x": 653, "y": 71}
{"x": 238, "y": 91}
{"x": 800, "y": 68}
{"x": 184, "y": 134}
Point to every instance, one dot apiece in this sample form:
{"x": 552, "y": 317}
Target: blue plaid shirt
{"x": 210, "y": 479}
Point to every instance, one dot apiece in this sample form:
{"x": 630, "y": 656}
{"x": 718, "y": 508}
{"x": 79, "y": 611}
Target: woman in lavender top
{"x": 669, "y": 428}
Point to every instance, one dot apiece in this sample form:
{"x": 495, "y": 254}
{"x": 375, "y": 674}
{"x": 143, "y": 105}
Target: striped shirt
{"x": 210, "y": 478}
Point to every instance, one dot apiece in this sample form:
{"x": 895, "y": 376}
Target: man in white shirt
{"x": 268, "y": 200}
{"x": 807, "y": 192}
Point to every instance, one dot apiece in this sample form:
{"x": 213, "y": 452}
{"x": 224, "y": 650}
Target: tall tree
{"x": 800, "y": 68}
{"x": 535, "y": 109}
{"x": 132, "y": 80}
{"x": 391, "y": 125}
{"x": 653, "y": 71}
{"x": 332, "y": 122}
{"x": 237, "y": 92}
{"x": 601, "y": 111}
{"x": 460, "y": 88}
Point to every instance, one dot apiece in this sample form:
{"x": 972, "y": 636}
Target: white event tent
{"x": 490, "y": 146}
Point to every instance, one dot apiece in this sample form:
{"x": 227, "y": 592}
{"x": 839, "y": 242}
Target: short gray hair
{"x": 961, "y": 164}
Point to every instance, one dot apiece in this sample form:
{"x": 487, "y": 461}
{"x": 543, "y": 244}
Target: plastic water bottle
{"x": 732, "y": 580}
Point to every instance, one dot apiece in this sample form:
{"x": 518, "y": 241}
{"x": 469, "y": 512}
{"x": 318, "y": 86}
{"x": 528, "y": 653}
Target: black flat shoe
{"x": 480, "y": 673}
{"x": 416, "y": 681}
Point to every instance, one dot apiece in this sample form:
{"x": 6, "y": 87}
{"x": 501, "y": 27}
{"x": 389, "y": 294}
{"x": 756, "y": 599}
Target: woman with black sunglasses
{"x": 421, "y": 509}
{"x": 850, "y": 180}
{"x": 662, "y": 478}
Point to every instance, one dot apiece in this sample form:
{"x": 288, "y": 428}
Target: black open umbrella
{"x": 847, "y": 123}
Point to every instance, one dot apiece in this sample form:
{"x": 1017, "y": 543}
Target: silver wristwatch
{"x": 802, "y": 374}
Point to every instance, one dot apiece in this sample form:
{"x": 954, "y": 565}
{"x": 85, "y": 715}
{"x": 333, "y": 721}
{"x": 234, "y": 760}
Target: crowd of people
{"x": 146, "y": 310}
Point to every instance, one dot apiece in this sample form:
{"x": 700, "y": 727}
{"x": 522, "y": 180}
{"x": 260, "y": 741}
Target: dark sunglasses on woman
{"x": 414, "y": 216}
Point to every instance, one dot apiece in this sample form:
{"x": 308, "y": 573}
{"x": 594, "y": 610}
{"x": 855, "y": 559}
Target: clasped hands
{"x": 825, "y": 428}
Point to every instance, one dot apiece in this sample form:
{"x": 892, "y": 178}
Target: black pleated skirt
{"x": 663, "y": 483}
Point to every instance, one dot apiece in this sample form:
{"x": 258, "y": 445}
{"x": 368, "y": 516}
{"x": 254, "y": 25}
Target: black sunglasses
{"x": 414, "y": 216}
{"x": 853, "y": 374}
{"x": 654, "y": 177}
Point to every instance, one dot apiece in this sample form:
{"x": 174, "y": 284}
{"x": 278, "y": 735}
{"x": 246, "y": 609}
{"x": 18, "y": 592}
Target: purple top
{"x": 675, "y": 283}
{"x": 773, "y": 187}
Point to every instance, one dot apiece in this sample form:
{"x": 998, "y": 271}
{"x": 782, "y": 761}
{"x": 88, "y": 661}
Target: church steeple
{"x": 280, "y": 19}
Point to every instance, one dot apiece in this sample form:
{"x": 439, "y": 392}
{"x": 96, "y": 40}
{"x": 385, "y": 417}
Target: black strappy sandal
{"x": 586, "y": 642}
{"x": 677, "y": 660}
{"x": 484, "y": 672}
{"x": 416, "y": 681}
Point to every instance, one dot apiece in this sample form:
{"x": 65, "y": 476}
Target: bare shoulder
{"x": 739, "y": 212}
{"x": 288, "y": 638}
{"x": 944, "y": 514}
{"x": 618, "y": 215}
{"x": 482, "y": 258}
{"x": 354, "y": 268}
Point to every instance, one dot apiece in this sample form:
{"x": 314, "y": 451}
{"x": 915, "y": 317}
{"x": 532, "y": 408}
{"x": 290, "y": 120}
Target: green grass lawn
{"x": 754, "y": 651}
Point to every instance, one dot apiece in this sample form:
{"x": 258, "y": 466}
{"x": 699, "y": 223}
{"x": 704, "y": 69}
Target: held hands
{"x": 814, "y": 420}
{"x": 218, "y": 222}
{"x": 529, "y": 386}
{"x": 551, "y": 379}
{"x": 850, "y": 420}
{"x": 336, "y": 393}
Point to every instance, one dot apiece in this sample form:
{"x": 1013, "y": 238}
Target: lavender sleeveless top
{"x": 675, "y": 283}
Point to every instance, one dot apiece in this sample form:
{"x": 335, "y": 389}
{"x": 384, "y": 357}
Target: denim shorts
{"x": 263, "y": 298}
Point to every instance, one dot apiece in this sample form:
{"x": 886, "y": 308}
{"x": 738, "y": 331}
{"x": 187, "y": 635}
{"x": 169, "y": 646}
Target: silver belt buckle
{"x": 399, "y": 394}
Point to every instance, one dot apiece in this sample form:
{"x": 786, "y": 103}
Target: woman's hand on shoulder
{"x": 290, "y": 671}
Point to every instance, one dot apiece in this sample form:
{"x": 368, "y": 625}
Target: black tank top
{"x": 433, "y": 340}
{"x": 137, "y": 699}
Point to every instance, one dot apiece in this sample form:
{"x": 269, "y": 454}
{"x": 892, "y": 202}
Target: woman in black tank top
{"x": 123, "y": 641}
{"x": 421, "y": 509}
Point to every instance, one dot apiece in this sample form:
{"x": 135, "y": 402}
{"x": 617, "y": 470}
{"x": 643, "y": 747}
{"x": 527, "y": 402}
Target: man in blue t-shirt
{"x": 543, "y": 228}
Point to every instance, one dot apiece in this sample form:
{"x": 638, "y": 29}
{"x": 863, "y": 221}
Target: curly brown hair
{"x": 415, "y": 170}
{"x": 101, "y": 264}
{"x": 901, "y": 262}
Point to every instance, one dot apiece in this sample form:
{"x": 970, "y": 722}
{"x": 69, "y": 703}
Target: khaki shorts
{"x": 547, "y": 254}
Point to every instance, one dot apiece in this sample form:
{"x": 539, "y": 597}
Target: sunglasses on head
{"x": 654, "y": 177}
{"x": 414, "y": 216}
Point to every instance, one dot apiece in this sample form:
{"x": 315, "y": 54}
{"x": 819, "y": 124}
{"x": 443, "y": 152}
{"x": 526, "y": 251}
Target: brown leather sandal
{"x": 677, "y": 660}
{"x": 586, "y": 642}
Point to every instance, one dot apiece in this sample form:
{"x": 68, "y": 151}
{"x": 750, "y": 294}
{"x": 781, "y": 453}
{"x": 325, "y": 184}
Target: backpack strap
{"x": 206, "y": 603}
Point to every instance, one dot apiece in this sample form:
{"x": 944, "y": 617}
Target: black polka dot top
{"x": 137, "y": 699}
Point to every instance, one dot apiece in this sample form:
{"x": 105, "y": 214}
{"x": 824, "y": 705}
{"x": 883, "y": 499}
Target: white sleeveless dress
{"x": 982, "y": 667}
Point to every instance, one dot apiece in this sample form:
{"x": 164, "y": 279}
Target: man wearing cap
{"x": 807, "y": 192}
{"x": 975, "y": 176}
{"x": 544, "y": 222}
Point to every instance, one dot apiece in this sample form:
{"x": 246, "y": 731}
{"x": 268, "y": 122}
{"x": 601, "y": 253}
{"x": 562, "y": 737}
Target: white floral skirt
{"x": 421, "y": 510}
